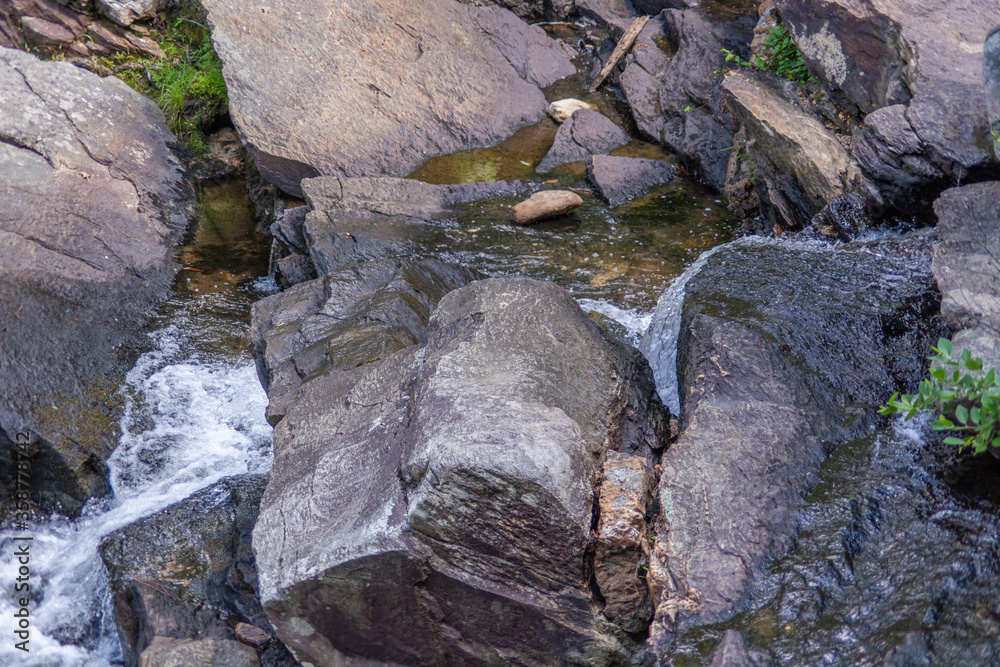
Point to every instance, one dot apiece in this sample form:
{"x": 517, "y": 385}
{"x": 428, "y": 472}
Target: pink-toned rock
{"x": 252, "y": 636}
{"x": 544, "y": 205}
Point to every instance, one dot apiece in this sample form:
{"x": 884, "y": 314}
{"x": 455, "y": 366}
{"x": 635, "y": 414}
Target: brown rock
{"x": 39, "y": 32}
{"x": 253, "y": 636}
{"x": 623, "y": 540}
{"x": 546, "y": 204}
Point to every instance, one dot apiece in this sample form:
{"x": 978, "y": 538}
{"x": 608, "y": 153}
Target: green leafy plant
{"x": 779, "y": 55}
{"x": 187, "y": 85}
{"x": 966, "y": 399}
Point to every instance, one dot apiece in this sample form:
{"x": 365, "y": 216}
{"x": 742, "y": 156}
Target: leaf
{"x": 974, "y": 415}
{"x": 945, "y": 346}
{"x": 939, "y": 374}
{"x": 966, "y": 357}
{"x": 954, "y": 441}
{"x": 962, "y": 414}
{"x": 991, "y": 377}
{"x": 942, "y": 424}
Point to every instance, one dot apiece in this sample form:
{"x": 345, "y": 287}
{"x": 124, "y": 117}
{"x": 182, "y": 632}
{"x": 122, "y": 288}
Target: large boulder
{"x": 913, "y": 70}
{"x": 785, "y": 350}
{"x": 385, "y": 88}
{"x": 799, "y": 166}
{"x": 621, "y": 179}
{"x": 395, "y": 526}
{"x": 967, "y": 267}
{"x": 93, "y": 200}
{"x": 182, "y": 578}
{"x": 674, "y": 94}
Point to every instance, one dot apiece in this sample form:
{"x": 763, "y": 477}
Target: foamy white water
{"x": 635, "y": 321}
{"x": 189, "y": 421}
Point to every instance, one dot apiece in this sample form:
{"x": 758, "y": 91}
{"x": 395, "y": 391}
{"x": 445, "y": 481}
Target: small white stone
{"x": 560, "y": 110}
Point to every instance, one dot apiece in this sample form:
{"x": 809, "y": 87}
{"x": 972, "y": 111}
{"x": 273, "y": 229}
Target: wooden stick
{"x": 624, "y": 44}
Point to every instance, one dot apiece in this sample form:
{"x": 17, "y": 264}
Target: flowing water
{"x": 194, "y": 414}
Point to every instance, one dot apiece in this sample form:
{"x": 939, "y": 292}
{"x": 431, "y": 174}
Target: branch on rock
{"x": 623, "y": 47}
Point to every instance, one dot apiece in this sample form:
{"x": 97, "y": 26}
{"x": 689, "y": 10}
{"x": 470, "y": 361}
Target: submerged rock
{"x": 732, "y": 651}
{"x": 621, "y": 179}
{"x": 587, "y": 132}
{"x": 386, "y": 89}
{"x": 93, "y": 200}
{"x": 394, "y": 523}
{"x": 544, "y": 205}
{"x": 785, "y": 352}
{"x": 183, "y": 577}
{"x": 967, "y": 267}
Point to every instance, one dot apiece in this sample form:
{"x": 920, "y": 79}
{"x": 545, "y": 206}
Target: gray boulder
{"x": 393, "y": 526}
{"x": 93, "y": 200}
{"x": 676, "y": 100}
{"x": 587, "y": 132}
{"x": 913, "y": 70}
{"x": 384, "y": 90}
{"x": 181, "y": 579}
{"x": 967, "y": 267}
{"x": 354, "y": 315}
{"x": 621, "y": 179}
{"x": 785, "y": 350}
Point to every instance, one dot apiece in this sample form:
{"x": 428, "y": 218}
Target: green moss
{"x": 187, "y": 85}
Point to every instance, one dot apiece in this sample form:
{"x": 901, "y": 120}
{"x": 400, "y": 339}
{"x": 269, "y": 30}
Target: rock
{"x": 127, "y": 12}
{"x": 967, "y": 267}
{"x": 393, "y": 525}
{"x": 389, "y": 89}
{"x": 355, "y": 219}
{"x": 616, "y": 14}
{"x": 545, "y": 204}
{"x": 561, "y": 110}
{"x": 39, "y": 23}
{"x": 915, "y": 651}
{"x": 94, "y": 199}
{"x": 290, "y": 263}
{"x": 799, "y": 165}
{"x": 676, "y": 100}
{"x": 587, "y": 132}
{"x": 785, "y": 350}
{"x": 732, "y": 651}
{"x": 252, "y": 636}
{"x": 532, "y": 10}
{"x": 621, "y": 179}
{"x": 914, "y": 67}
{"x": 991, "y": 84}
{"x": 352, "y": 316}
{"x": 184, "y": 653}
{"x": 621, "y": 552}
{"x": 181, "y": 577}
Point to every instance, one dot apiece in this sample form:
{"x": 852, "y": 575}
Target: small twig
{"x": 626, "y": 42}
{"x": 135, "y": 239}
{"x": 291, "y": 257}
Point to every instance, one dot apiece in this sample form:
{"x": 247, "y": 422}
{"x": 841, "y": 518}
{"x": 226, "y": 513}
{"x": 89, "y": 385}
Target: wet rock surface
{"x": 967, "y": 267}
{"x": 180, "y": 577}
{"x": 398, "y": 87}
{"x": 587, "y": 132}
{"x": 732, "y": 651}
{"x": 621, "y": 179}
{"x": 774, "y": 374}
{"x": 94, "y": 200}
{"x": 394, "y": 521}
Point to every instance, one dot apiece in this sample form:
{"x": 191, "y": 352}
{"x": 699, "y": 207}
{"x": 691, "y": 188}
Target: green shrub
{"x": 966, "y": 399}
{"x": 779, "y": 55}
{"x": 187, "y": 85}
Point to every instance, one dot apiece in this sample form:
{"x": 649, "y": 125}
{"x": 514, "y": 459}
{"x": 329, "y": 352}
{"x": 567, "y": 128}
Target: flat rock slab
{"x": 544, "y": 205}
{"x": 621, "y": 179}
{"x": 587, "y": 132}
{"x": 93, "y": 200}
{"x": 372, "y": 88}
{"x": 967, "y": 267}
{"x": 785, "y": 351}
{"x": 403, "y": 491}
